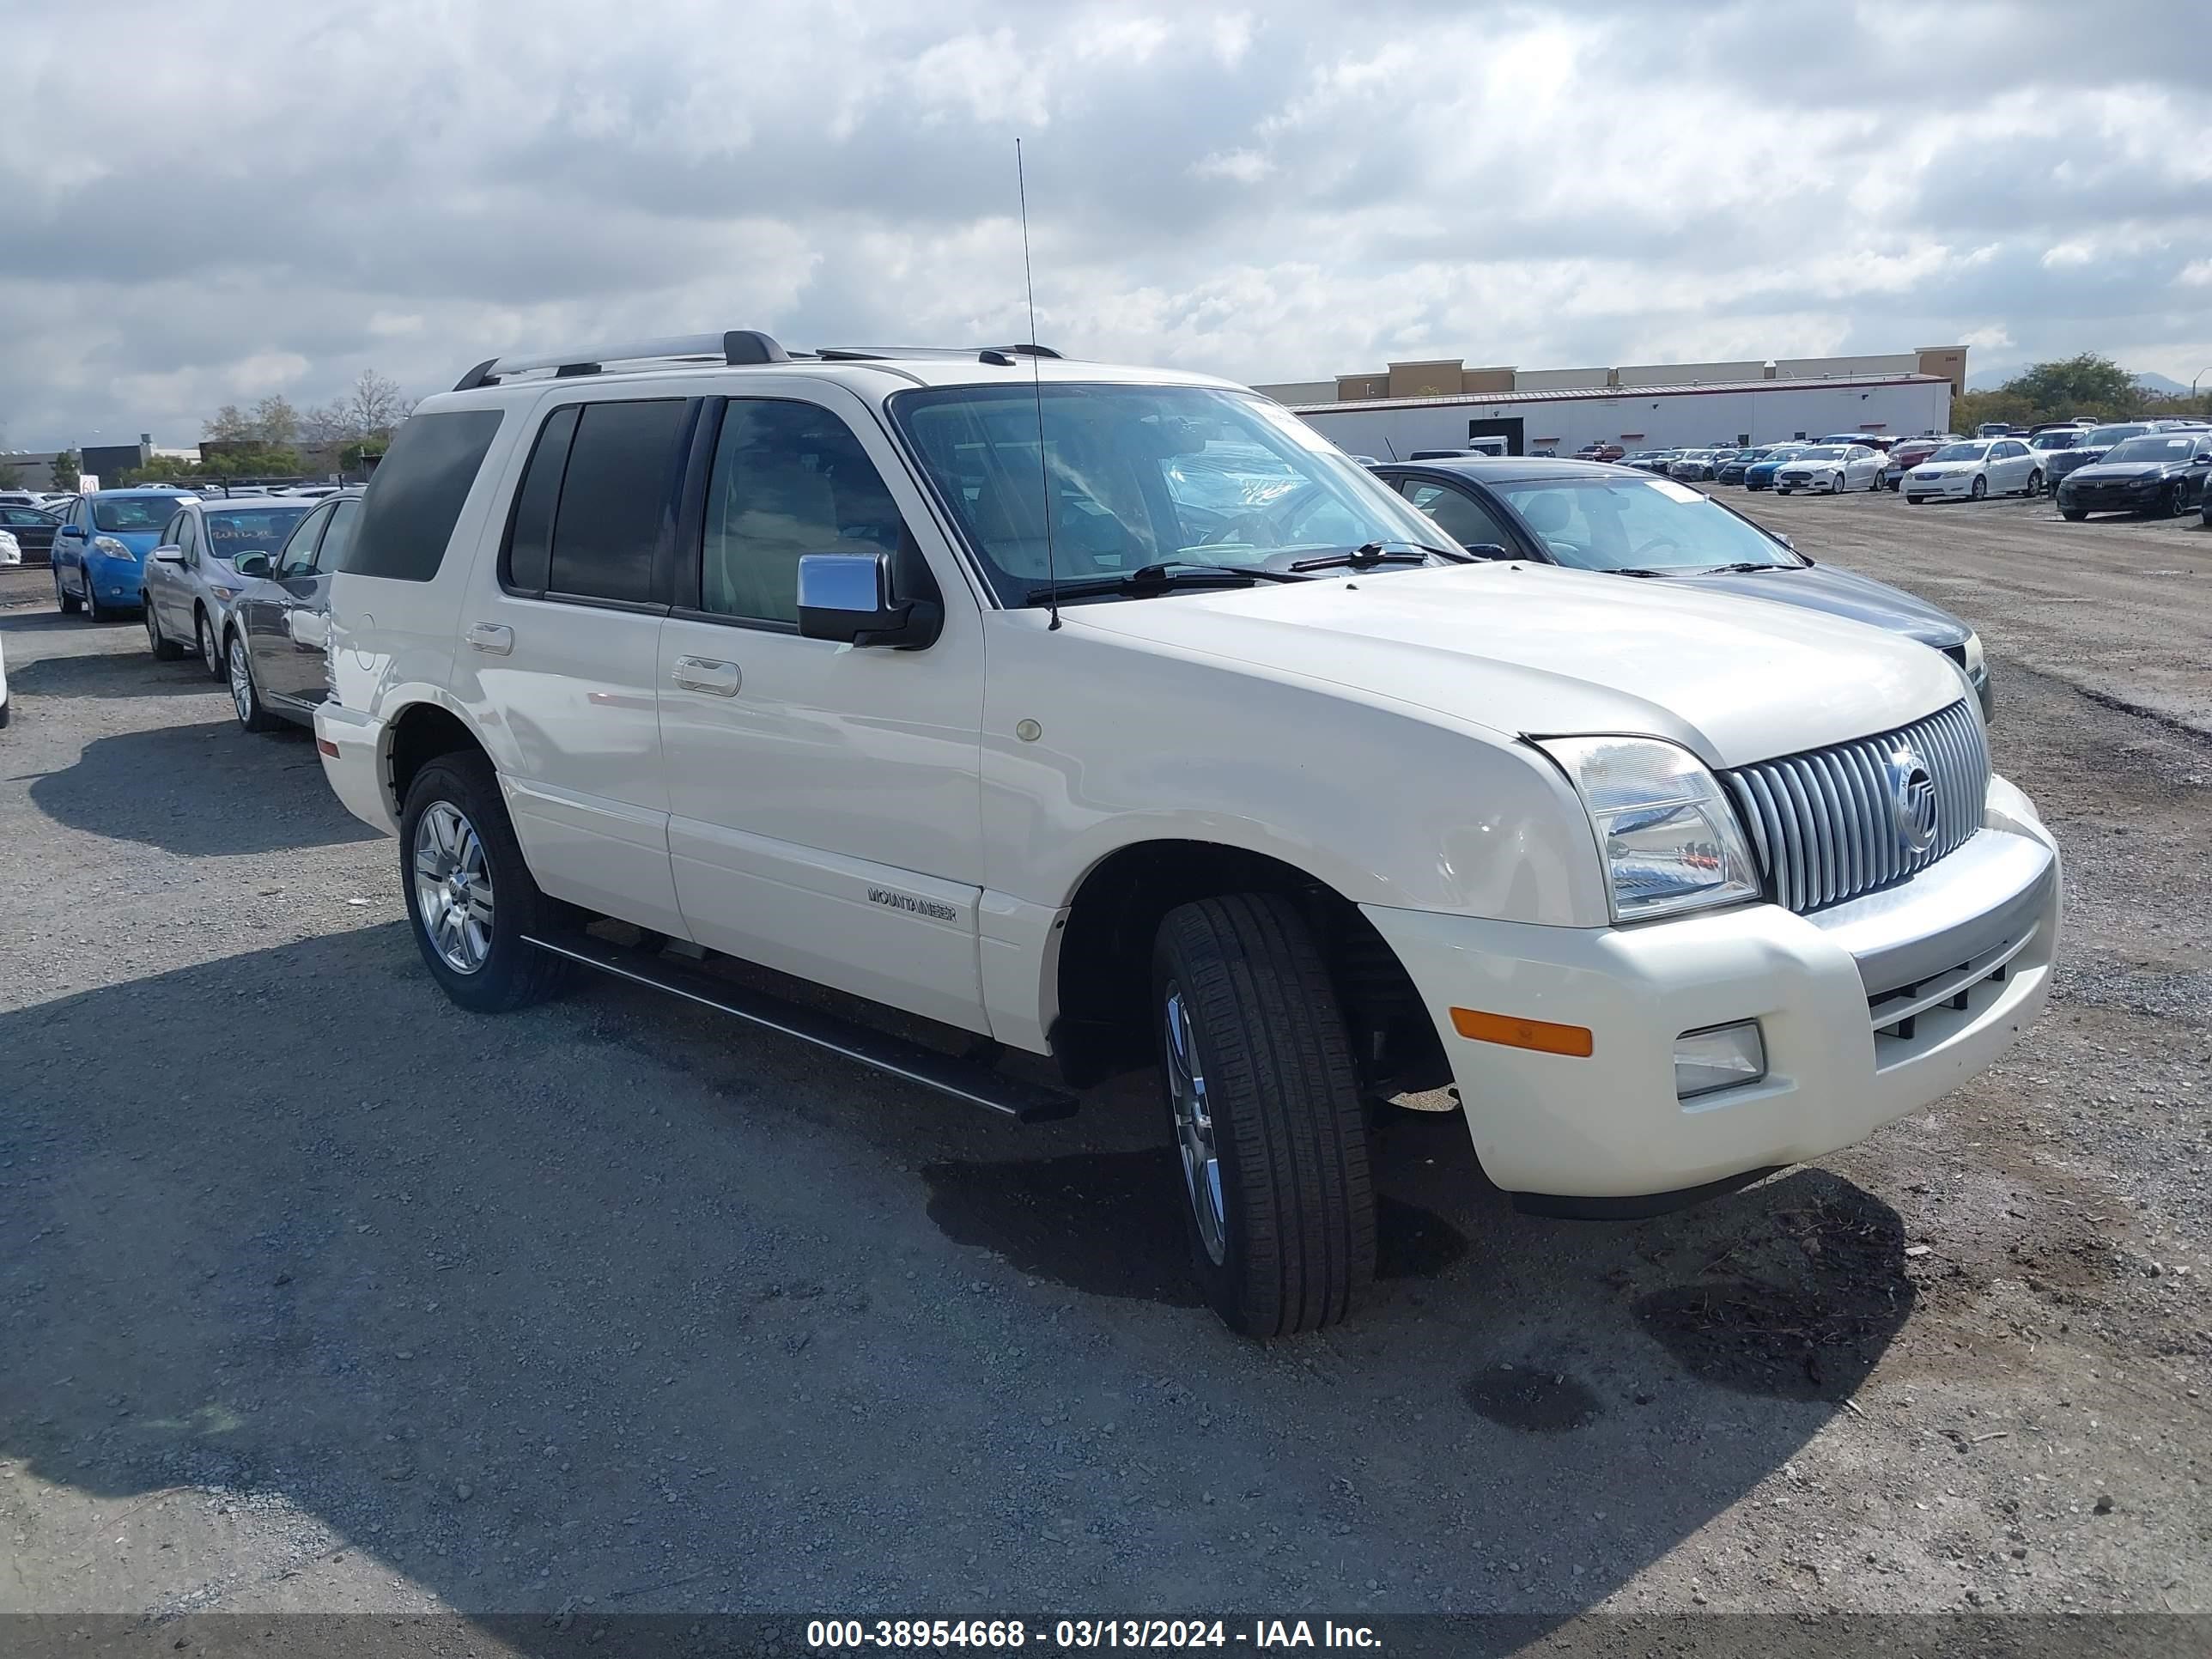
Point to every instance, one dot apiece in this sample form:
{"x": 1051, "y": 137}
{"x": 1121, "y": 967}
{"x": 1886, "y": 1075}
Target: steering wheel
{"x": 1653, "y": 546}
{"x": 1252, "y": 529}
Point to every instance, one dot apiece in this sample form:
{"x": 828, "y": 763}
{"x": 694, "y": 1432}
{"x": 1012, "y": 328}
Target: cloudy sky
{"x": 247, "y": 198}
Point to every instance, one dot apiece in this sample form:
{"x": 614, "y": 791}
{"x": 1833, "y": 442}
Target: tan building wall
{"x": 1561, "y": 379}
{"x": 1443, "y": 377}
{"x": 1687, "y": 374}
{"x": 1949, "y": 362}
{"x": 1439, "y": 377}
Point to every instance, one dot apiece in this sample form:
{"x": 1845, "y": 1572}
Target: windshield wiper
{"x": 1165, "y": 577}
{"x": 1637, "y": 570}
{"x": 1369, "y": 554}
{"x": 1740, "y": 567}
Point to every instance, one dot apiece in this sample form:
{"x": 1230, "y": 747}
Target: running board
{"x": 977, "y": 1084}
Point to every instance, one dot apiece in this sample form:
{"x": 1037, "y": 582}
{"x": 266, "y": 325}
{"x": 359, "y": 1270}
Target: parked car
{"x": 1569, "y": 513}
{"x": 1760, "y": 475}
{"x": 17, "y": 498}
{"x": 11, "y": 550}
{"x": 1908, "y": 453}
{"x": 100, "y": 549}
{"x": 1731, "y": 470}
{"x": 1601, "y": 452}
{"x": 1974, "y": 469}
{"x": 950, "y": 767}
{"x": 274, "y": 650}
{"x": 33, "y": 529}
{"x": 1692, "y": 464}
{"x": 2047, "y": 441}
{"x": 7, "y": 710}
{"x": 1847, "y": 438}
{"x": 2158, "y": 473}
{"x": 1833, "y": 467}
{"x": 2098, "y": 442}
{"x": 1651, "y": 460}
{"x": 192, "y": 578}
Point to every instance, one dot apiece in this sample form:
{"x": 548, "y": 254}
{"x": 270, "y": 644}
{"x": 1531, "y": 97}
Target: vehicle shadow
{"x": 107, "y": 675}
{"x": 210, "y": 789}
{"x": 603, "y": 1300}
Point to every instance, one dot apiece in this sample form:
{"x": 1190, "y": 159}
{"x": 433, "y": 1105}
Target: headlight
{"x": 226, "y": 595}
{"x": 109, "y": 545}
{"x": 1976, "y": 665}
{"x": 1669, "y": 838}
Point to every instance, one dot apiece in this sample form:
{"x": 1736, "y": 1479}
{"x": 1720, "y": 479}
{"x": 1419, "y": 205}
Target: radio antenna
{"x": 1037, "y": 385}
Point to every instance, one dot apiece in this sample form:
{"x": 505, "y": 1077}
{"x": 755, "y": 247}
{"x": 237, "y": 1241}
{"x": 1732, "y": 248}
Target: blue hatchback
{"x": 102, "y": 548}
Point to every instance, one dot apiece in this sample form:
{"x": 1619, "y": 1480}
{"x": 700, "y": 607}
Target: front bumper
{"x": 351, "y": 745}
{"x": 1951, "y": 486}
{"x": 2113, "y": 498}
{"x": 117, "y": 580}
{"x": 1858, "y": 1005}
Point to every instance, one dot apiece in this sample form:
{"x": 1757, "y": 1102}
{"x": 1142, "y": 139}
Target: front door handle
{"x": 716, "y": 679}
{"x": 493, "y": 639}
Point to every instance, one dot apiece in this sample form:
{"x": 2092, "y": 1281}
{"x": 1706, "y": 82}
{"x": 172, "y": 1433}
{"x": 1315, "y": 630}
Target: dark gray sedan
{"x": 278, "y": 637}
{"x": 33, "y": 528}
{"x": 1598, "y": 517}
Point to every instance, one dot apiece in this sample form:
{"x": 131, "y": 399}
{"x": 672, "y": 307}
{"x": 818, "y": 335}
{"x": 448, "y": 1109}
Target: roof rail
{"x": 734, "y": 347}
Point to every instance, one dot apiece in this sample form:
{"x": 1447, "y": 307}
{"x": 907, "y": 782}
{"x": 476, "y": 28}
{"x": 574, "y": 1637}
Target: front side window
{"x": 1131, "y": 476}
{"x": 415, "y": 496}
{"x": 344, "y": 517}
{"x": 790, "y": 479}
{"x": 1457, "y": 513}
{"x": 188, "y": 537}
{"x": 298, "y": 557}
{"x": 614, "y": 499}
{"x": 1638, "y": 524}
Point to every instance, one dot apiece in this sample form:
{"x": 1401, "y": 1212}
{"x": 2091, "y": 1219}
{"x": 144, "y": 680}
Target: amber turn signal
{"x": 1515, "y": 1033}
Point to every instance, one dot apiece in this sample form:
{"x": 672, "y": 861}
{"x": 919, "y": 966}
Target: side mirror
{"x": 76, "y": 530}
{"x": 168, "y": 555}
{"x": 1486, "y": 550}
{"x": 251, "y": 564}
{"x": 846, "y": 597}
{"x": 2202, "y": 459}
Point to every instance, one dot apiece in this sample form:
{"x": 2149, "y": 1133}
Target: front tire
{"x": 1981, "y": 489}
{"x": 94, "y": 612}
{"x": 1263, "y": 1098}
{"x": 2177, "y": 500}
{"x": 2034, "y": 486}
{"x": 164, "y": 648}
{"x": 210, "y": 652}
{"x": 68, "y": 602}
{"x": 470, "y": 896}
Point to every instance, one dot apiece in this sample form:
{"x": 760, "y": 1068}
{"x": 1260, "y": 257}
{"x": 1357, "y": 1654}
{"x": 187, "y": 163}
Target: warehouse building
{"x": 1443, "y": 404}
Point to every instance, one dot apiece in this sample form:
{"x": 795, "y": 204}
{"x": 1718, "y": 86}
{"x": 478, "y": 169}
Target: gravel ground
{"x": 321, "y": 1295}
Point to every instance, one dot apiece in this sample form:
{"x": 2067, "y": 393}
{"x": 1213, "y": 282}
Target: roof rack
{"x": 736, "y": 348}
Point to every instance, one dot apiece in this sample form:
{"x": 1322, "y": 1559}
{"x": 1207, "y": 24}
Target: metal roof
{"x": 1620, "y": 393}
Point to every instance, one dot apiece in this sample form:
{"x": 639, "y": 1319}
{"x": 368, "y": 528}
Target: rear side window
{"x": 614, "y": 498}
{"x": 414, "y": 500}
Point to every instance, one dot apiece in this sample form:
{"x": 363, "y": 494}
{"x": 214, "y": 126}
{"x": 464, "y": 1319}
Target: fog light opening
{"x": 1718, "y": 1057}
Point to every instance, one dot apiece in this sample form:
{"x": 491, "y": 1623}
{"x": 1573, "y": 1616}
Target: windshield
{"x": 1639, "y": 524}
{"x": 128, "y": 512}
{"x": 2053, "y": 440}
{"x": 2104, "y": 437}
{"x": 1961, "y": 453}
{"x": 233, "y": 531}
{"x": 2160, "y": 447}
{"x": 1824, "y": 452}
{"x": 1139, "y": 475}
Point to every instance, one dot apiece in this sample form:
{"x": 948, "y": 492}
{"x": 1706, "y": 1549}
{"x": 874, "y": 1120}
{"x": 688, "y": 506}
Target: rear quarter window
{"x": 415, "y": 498}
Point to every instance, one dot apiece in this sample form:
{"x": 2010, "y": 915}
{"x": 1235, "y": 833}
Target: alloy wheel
{"x": 153, "y": 630}
{"x": 1194, "y": 1125}
{"x": 241, "y": 681}
{"x": 210, "y": 659}
{"x": 452, "y": 887}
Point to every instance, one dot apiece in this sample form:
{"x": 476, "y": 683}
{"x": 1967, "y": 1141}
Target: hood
{"x": 1536, "y": 650}
{"x": 1840, "y": 592}
{"x": 2125, "y": 471}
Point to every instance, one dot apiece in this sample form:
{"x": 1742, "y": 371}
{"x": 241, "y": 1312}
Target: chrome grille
{"x": 1822, "y": 823}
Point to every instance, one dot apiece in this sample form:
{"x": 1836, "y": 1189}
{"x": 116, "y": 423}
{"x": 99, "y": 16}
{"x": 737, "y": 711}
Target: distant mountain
{"x": 1990, "y": 378}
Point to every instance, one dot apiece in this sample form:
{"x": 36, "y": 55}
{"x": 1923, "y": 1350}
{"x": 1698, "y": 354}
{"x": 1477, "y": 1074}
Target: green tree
{"x": 2087, "y": 385}
{"x": 66, "y": 473}
{"x": 164, "y": 469}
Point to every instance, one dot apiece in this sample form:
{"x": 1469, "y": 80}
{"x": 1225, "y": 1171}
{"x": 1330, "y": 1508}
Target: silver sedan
{"x": 192, "y": 578}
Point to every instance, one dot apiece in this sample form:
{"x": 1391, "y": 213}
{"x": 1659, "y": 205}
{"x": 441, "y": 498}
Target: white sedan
{"x": 1971, "y": 470}
{"x": 1832, "y": 467}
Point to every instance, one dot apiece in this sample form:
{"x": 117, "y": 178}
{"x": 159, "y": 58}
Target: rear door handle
{"x": 494, "y": 639}
{"x": 716, "y": 679}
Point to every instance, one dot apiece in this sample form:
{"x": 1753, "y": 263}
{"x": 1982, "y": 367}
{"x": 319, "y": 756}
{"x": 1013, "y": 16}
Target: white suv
{"x": 1116, "y": 716}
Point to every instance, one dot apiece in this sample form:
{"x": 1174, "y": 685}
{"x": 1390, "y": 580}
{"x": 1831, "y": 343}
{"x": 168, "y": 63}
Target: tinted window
{"x": 187, "y": 535}
{"x": 415, "y": 498}
{"x": 1462, "y": 518}
{"x": 133, "y": 513}
{"x": 1649, "y": 524}
{"x": 299, "y": 554}
{"x": 789, "y": 479}
{"x": 343, "y": 518}
{"x": 28, "y": 517}
{"x": 614, "y": 496}
{"x": 530, "y": 537}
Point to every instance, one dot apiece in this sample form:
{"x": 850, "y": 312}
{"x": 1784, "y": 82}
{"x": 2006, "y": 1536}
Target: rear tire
{"x": 164, "y": 648}
{"x": 1269, "y": 1089}
{"x": 510, "y": 974}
